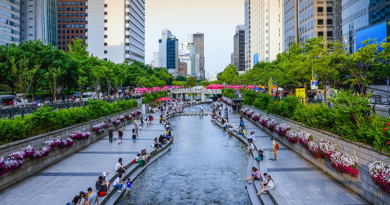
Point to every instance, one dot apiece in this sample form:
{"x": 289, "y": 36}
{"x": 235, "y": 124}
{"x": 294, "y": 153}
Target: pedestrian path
{"x": 59, "y": 183}
{"x": 296, "y": 179}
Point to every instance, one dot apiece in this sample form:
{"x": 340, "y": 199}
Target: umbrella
{"x": 163, "y": 99}
{"x": 251, "y": 86}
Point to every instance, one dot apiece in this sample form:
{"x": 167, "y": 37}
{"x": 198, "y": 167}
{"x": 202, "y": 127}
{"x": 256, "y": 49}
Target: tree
{"x": 54, "y": 74}
{"x": 191, "y": 82}
{"x": 205, "y": 83}
{"x": 229, "y": 74}
{"x": 23, "y": 75}
{"x": 181, "y": 78}
{"x": 178, "y": 83}
{"x": 83, "y": 63}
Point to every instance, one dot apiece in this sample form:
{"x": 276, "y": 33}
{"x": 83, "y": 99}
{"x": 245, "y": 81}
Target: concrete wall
{"x": 32, "y": 166}
{"x": 363, "y": 184}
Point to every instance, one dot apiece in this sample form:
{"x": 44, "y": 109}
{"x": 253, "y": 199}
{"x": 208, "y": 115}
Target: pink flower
{"x": 384, "y": 129}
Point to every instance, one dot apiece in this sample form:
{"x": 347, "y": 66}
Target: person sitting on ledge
{"x": 265, "y": 180}
{"x": 119, "y": 167}
{"x": 139, "y": 160}
{"x": 255, "y": 175}
{"x": 240, "y": 132}
{"x": 230, "y": 130}
{"x": 270, "y": 185}
{"x": 251, "y": 138}
{"x": 118, "y": 183}
{"x": 261, "y": 156}
{"x": 145, "y": 156}
{"x": 100, "y": 186}
{"x": 250, "y": 147}
{"x": 156, "y": 144}
{"x": 161, "y": 139}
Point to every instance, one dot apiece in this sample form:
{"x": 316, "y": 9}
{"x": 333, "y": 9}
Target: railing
{"x": 19, "y": 110}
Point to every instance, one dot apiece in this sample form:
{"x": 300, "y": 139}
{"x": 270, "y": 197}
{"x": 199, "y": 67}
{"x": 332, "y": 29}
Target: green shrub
{"x": 150, "y": 97}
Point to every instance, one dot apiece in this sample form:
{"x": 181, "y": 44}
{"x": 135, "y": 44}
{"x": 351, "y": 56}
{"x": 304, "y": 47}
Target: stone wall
{"x": 363, "y": 184}
{"x": 32, "y": 166}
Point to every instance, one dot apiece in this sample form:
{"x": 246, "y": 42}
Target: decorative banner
{"x": 270, "y": 82}
{"x": 300, "y": 92}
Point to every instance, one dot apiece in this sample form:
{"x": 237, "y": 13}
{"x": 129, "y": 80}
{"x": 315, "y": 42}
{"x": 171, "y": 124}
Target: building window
{"x": 105, "y": 21}
{"x": 105, "y": 28}
{"x": 72, "y": 9}
{"x": 105, "y": 13}
{"x": 329, "y": 34}
{"x": 105, "y": 59}
{"x": 59, "y": 31}
{"x": 105, "y": 44}
{"x": 105, "y": 51}
{"x": 81, "y": 9}
{"x": 329, "y": 21}
{"x": 105, "y": 36}
{"x": 320, "y": 9}
{"x": 329, "y": 9}
{"x": 105, "y": 5}
{"x": 320, "y": 22}
{"x": 77, "y": 3}
{"x": 320, "y": 33}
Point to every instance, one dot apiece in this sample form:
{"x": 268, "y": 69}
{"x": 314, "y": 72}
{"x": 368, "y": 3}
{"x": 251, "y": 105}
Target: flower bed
{"x": 249, "y": 113}
{"x": 255, "y": 116}
{"x": 128, "y": 117}
{"x": 99, "y": 128}
{"x": 327, "y": 148}
{"x": 344, "y": 163}
{"x": 243, "y": 111}
{"x": 292, "y": 136}
{"x": 121, "y": 118}
{"x": 263, "y": 120}
{"x": 271, "y": 124}
{"x": 80, "y": 135}
{"x": 281, "y": 129}
{"x": 304, "y": 138}
{"x": 380, "y": 174}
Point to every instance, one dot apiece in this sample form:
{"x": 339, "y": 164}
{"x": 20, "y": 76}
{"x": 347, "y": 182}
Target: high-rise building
{"x": 319, "y": 18}
{"x": 266, "y": 30}
{"x": 163, "y": 47}
{"x": 198, "y": 42}
{"x": 232, "y": 58}
{"x": 156, "y": 60}
{"x": 290, "y": 12}
{"x": 239, "y": 49}
{"x": 197, "y": 65}
{"x": 185, "y": 57}
{"x": 116, "y": 30}
{"x": 172, "y": 54}
{"x": 183, "y": 69}
{"x": 38, "y": 20}
{"x": 248, "y": 56}
{"x": 71, "y": 22}
{"x": 9, "y": 22}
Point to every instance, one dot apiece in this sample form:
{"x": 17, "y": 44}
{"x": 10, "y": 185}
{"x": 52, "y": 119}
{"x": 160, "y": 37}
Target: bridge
{"x": 199, "y": 90}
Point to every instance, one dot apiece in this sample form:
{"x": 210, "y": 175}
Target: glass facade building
{"x": 239, "y": 48}
{"x": 248, "y": 58}
{"x": 290, "y": 13}
{"x": 172, "y": 54}
{"x": 9, "y": 22}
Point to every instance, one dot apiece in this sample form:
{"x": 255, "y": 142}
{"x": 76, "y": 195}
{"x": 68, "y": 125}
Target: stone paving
{"x": 299, "y": 181}
{"x": 59, "y": 183}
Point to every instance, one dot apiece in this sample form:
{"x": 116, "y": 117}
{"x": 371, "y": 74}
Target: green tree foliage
{"x": 191, "y": 82}
{"x": 230, "y": 74}
{"x": 181, "y": 78}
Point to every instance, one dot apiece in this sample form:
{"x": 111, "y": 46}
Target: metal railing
{"x": 19, "y": 110}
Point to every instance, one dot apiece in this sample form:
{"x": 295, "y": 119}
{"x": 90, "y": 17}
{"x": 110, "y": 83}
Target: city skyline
{"x": 160, "y": 16}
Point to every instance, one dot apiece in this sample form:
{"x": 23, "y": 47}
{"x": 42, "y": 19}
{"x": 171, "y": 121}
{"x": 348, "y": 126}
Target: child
{"x": 140, "y": 128}
{"x": 128, "y": 183}
{"x": 123, "y": 125}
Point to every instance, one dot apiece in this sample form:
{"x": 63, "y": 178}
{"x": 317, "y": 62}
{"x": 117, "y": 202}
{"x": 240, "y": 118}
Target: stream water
{"x": 204, "y": 166}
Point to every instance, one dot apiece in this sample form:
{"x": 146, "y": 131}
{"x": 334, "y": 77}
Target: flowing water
{"x": 204, "y": 166}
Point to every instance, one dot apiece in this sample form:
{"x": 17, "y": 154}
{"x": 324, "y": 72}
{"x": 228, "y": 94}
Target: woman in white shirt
{"x": 270, "y": 185}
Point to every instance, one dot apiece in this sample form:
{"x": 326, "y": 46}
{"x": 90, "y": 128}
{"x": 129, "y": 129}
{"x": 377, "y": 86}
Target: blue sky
{"x": 217, "y": 19}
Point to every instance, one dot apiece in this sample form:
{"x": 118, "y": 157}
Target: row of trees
{"x": 32, "y": 65}
{"x": 328, "y": 60}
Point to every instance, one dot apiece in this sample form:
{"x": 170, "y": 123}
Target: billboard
{"x": 376, "y": 33}
{"x": 184, "y": 52}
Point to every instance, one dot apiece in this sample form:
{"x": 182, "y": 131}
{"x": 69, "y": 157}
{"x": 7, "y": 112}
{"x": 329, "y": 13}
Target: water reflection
{"x": 204, "y": 166}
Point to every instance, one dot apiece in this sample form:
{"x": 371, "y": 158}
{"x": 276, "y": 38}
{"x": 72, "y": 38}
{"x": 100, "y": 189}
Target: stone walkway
{"x": 297, "y": 180}
{"x": 59, "y": 183}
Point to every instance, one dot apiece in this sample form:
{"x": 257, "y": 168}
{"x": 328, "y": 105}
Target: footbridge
{"x": 197, "y": 91}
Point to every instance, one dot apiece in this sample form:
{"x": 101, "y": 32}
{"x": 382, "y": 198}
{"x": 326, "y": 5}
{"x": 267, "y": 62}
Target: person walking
{"x": 142, "y": 120}
{"x": 147, "y": 121}
{"x": 110, "y": 133}
{"x": 275, "y": 148}
{"x": 93, "y": 197}
{"x": 134, "y": 137}
{"x": 120, "y": 136}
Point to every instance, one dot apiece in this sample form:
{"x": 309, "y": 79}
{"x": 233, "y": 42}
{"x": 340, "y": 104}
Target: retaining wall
{"x": 363, "y": 184}
{"x": 32, "y": 166}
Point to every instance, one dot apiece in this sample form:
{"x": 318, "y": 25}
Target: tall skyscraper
{"x": 198, "y": 42}
{"x": 156, "y": 60}
{"x": 290, "y": 12}
{"x": 172, "y": 54}
{"x": 183, "y": 69}
{"x": 163, "y": 47}
{"x": 116, "y": 30}
{"x": 248, "y": 56}
{"x": 38, "y": 20}
{"x": 71, "y": 22}
{"x": 9, "y": 22}
{"x": 266, "y": 30}
{"x": 239, "y": 49}
{"x": 319, "y": 19}
{"x": 185, "y": 57}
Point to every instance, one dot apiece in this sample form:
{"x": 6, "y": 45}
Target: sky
{"x": 217, "y": 19}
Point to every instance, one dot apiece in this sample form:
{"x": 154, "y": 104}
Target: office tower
{"x": 71, "y": 22}
{"x": 197, "y": 65}
{"x": 232, "y": 58}
{"x": 239, "y": 49}
{"x": 183, "y": 69}
{"x": 266, "y": 30}
{"x": 185, "y": 57}
{"x": 198, "y": 42}
{"x": 9, "y": 22}
{"x": 163, "y": 47}
{"x": 319, "y": 18}
{"x": 38, "y": 21}
{"x": 248, "y": 56}
{"x": 290, "y": 12}
{"x": 156, "y": 60}
{"x": 190, "y": 66}
{"x": 152, "y": 64}
{"x": 116, "y": 30}
{"x": 172, "y": 54}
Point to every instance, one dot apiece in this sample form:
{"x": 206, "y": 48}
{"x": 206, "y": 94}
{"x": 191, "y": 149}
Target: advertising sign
{"x": 300, "y": 92}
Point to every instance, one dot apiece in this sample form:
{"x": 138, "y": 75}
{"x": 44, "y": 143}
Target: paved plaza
{"x": 297, "y": 180}
{"x": 59, "y": 183}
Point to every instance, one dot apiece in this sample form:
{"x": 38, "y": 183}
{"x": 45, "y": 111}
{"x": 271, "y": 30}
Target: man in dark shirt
{"x": 311, "y": 96}
{"x": 110, "y": 132}
{"x": 100, "y": 186}
{"x": 120, "y": 136}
